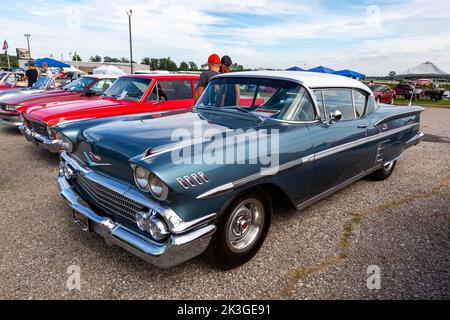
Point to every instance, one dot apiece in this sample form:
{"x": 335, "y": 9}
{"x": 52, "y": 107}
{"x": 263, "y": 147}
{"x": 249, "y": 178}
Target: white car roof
{"x": 101, "y": 76}
{"x": 311, "y": 80}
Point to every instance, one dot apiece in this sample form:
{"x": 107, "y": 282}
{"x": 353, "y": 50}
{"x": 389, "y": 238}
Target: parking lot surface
{"x": 400, "y": 226}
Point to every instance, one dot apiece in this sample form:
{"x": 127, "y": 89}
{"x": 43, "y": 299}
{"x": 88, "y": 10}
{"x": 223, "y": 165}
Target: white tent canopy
{"x": 108, "y": 69}
{"x": 73, "y": 69}
{"x": 427, "y": 69}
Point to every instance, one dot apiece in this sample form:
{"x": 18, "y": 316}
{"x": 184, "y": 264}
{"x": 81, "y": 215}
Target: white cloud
{"x": 398, "y": 36}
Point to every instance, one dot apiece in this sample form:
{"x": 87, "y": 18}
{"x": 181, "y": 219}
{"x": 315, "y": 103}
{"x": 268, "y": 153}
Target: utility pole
{"x": 129, "y": 14}
{"x": 28, "y": 43}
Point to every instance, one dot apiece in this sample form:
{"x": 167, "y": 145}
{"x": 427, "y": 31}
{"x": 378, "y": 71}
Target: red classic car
{"x": 383, "y": 93}
{"x": 88, "y": 87}
{"x": 131, "y": 94}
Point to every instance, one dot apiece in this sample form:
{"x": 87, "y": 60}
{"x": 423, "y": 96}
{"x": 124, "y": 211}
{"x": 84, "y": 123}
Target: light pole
{"x": 28, "y": 42}
{"x": 129, "y": 14}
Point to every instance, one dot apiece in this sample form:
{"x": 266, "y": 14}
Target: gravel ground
{"x": 400, "y": 225}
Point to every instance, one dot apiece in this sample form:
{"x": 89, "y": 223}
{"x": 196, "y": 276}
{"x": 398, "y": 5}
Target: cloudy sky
{"x": 373, "y": 37}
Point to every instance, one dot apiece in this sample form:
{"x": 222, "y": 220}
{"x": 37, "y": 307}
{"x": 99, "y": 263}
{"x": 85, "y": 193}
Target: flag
{"x": 5, "y": 46}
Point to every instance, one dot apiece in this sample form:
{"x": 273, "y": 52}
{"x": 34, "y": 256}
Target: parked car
{"x": 128, "y": 95}
{"x": 9, "y": 80}
{"x": 383, "y": 93}
{"x": 405, "y": 91}
{"x": 124, "y": 179}
{"x": 82, "y": 89}
{"x": 446, "y": 95}
{"x": 43, "y": 83}
{"x": 435, "y": 94}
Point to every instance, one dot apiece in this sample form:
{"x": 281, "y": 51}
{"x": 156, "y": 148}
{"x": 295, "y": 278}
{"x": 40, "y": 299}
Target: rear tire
{"x": 241, "y": 230}
{"x": 383, "y": 173}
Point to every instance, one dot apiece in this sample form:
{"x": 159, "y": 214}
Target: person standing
{"x": 47, "y": 72}
{"x": 213, "y": 69}
{"x": 31, "y": 74}
{"x": 231, "y": 94}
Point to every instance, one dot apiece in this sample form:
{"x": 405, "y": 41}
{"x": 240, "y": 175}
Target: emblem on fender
{"x": 92, "y": 160}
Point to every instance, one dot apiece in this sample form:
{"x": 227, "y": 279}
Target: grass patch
{"x": 425, "y": 102}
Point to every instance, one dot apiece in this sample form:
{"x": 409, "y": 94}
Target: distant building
{"x": 427, "y": 70}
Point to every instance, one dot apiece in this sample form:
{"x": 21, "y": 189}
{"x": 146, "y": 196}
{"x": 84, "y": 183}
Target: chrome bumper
{"x": 177, "y": 249}
{"x": 414, "y": 140}
{"x": 39, "y": 140}
{"x": 10, "y": 120}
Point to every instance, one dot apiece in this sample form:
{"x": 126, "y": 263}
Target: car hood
{"x": 115, "y": 143}
{"x": 17, "y": 93}
{"x": 74, "y": 110}
{"x": 27, "y": 96}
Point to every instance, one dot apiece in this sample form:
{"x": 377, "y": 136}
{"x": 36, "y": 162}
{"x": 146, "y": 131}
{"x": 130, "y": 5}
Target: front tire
{"x": 383, "y": 173}
{"x": 241, "y": 230}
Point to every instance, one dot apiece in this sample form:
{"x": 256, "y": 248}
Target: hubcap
{"x": 244, "y": 225}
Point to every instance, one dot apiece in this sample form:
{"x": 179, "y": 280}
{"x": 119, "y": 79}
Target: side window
{"x": 360, "y": 100}
{"x": 339, "y": 99}
{"x": 306, "y": 110}
{"x": 101, "y": 86}
{"x": 320, "y": 104}
{"x": 371, "y": 105}
{"x": 175, "y": 90}
{"x": 153, "y": 96}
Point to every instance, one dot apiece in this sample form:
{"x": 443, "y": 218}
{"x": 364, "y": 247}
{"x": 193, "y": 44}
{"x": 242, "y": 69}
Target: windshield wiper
{"x": 238, "y": 108}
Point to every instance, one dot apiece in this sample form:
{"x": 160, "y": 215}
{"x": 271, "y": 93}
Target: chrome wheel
{"x": 388, "y": 166}
{"x": 244, "y": 225}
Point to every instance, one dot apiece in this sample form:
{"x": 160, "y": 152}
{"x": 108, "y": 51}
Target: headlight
{"x": 148, "y": 182}
{"x": 141, "y": 176}
{"x": 153, "y": 224}
{"x": 64, "y": 142}
{"x": 158, "y": 188}
{"x": 10, "y": 107}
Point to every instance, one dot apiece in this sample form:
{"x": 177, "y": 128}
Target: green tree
{"x": 76, "y": 57}
{"x": 392, "y": 74}
{"x": 167, "y": 64}
{"x": 184, "y": 66}
{"x": 109, "y": 59}
{"x": 236, "y": 67}
{"x": 95, "y": 58}
{"x": 124, "y": 60}
{"x": 12, "y": 61}
{"x": 192, "y": 66}
{"x": 204, "y": 66}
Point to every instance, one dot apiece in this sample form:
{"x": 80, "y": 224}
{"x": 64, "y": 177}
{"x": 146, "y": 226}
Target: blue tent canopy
{"x": 350, "y": 73}
{"x": 321, "y": 69}
{"x": 52, "y": 63}
{"x": 295, "y": 69}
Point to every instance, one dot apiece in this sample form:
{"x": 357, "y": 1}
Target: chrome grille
{"x": 109, "y": 200}
{"x": 39, "y": 127}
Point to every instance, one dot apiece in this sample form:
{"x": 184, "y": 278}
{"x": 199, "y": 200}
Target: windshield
{"x": 41, "y": 83}
{"x": 376, "y": 87}
{"x": 10, "y": 79}
{"x": 79, "y": 85}
{"x": 131, "y": 89}
{"x": 272, "y": 98}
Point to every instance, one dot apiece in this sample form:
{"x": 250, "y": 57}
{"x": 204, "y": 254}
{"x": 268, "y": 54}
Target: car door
{"x": 171, "y": 95}
{"x": 339, "y": 153}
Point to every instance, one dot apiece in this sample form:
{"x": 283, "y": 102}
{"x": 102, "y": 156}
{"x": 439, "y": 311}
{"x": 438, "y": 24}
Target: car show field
{"x": 400, "y": 226}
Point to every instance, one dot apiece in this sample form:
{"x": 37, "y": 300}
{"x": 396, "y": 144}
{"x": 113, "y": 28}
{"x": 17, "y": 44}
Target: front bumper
{"x": 177, "y": 249}
{"x": 10, "y": 120}
{"x": 51, "y": 145}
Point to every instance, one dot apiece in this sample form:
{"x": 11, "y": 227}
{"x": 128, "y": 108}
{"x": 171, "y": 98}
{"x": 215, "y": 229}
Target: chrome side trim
{"x": 228, "y": 187}
{"x": 337, "y": 188}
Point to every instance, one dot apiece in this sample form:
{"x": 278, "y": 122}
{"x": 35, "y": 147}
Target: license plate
{"x": 81, "y": 220}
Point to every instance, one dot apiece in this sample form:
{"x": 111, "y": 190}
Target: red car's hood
{"x": 75, "y": 110}
{"x": 29, "y": 98}
{"x": 6, "y": 86}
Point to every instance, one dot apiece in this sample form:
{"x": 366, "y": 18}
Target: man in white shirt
{"x": 47, "y": 72}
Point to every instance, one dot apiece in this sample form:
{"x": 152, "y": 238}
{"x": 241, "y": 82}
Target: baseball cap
{"x": 226, "y": 60}
{"x": 214, "y": 58}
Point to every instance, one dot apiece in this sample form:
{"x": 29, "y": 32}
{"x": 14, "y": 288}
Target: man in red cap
{"x": 213, "y": 69}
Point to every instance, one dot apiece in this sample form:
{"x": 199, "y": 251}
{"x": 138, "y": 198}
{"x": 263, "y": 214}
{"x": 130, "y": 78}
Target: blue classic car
{"x": 170, "y": 186}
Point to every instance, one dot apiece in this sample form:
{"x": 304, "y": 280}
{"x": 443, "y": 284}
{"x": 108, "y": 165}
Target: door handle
{"x": 362, "y": 126}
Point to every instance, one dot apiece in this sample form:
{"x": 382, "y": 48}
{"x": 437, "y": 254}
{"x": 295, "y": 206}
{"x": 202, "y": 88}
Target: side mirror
{"x": 335, "y": 116}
